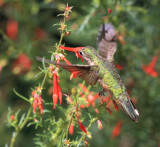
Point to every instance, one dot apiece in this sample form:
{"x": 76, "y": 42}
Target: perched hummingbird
{"x": 101, "y": 68}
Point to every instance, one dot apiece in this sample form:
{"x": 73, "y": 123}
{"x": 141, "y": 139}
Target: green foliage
{"x": 136, "y": 22}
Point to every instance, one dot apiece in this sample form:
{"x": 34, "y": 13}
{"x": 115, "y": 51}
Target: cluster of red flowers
{"x": 38, "y": 101}
{"x": 57, "y": 94}
{"x": 89, "y": 99}
{"x": 149, "y": 70}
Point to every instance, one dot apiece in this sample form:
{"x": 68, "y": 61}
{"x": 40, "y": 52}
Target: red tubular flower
{"x": 149, "y": 70}
{"x": 40, "y": 104}
{"x": 117, "y": 129}
{"x": 99, "y": 124}
{"x": 74, "y": 75}
{"x": 96, "y": 110}
{"x": 84, "y": 88}
{"x": 119, "y": 67}
{"x": 59, "y": 93}
{"x": 71, "y": 129}
{"x": 66, "y": 60}
{"x": 109, "y": 110}
{"x": 92, "y": 98}
{"x": 35, "y": 102}
{"x": 121, "y": 38}
{"x": 12, "y": 29}
{"x": 82, "y": 127}
{"x": 78, "y": 55}
{"x": 55, "y": 90}
{"x": 57, "y": 58}
{"x": 76, "y": 49}
{"x": 115, "y": 105}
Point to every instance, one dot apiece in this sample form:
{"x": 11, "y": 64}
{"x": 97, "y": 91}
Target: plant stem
{"x": 62, "y": 34}
{"x": 44, "y": 79}
{"x": 15, "y": 134}
{"x": 60, "y": 41}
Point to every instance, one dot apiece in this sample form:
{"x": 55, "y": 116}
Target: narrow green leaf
{"x": 30, "y": 124}
{"x": 60, "y": 15}
{"x": 22, "y": 119}
{"x": 21, "y": 96}
{"x": 43, "y": 63}
{"x": 38, "y": 74}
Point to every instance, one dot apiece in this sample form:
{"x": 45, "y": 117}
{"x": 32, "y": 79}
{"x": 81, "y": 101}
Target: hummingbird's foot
{"x": 101, "y": 93}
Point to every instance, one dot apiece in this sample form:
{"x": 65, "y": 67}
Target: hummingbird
{"x": 101, "y": 69}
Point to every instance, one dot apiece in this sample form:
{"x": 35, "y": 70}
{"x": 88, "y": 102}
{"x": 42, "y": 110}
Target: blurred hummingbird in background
{"x": 101, "y": 68}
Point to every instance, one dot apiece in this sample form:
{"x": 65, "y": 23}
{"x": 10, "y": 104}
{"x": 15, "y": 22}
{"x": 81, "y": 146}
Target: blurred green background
{"x": 27, "y": 31}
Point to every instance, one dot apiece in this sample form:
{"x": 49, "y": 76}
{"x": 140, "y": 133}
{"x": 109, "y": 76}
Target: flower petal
{"x": 117, "y": 129}
{"x": 71, "y": 48}
{"x": 71, "y": 129}
{"x": 115, "y": 105}
{"x": 55, "y": 90}
{"x": 82, "y": 127}
{"x": 109, "y": 110}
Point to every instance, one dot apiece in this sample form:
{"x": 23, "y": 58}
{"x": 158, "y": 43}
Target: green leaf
{"x": 43, "y": 63}
{"x": 31, "y": 123}
{"x": 21, "y": 96}
{"x": 22, "y": 119}
{"x": 38, "y": 74}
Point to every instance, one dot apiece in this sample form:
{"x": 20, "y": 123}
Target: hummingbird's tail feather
{"x": 129, "y": 108}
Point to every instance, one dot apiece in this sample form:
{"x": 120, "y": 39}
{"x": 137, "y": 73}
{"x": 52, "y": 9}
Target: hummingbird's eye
{"x": 81, "y": 53}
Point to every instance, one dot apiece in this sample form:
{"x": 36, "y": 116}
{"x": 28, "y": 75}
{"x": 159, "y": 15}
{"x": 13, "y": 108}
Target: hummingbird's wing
{"x": 83, "y": 71}
{"x": 106, "y": 41}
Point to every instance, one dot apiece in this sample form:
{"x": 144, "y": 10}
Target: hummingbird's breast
{"x": 109, "y": 79}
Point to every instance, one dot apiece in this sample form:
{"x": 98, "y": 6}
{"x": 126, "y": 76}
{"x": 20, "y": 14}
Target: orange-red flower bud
{"x": 109, "y": 110}
{"x": 82, "y": 127}
{"x": 117, "y": 129}
{"x": 71, "y": 129}
{"x": 99, "y": 124}
{"x": 12, "y": 117}
{"x": 115, "y": 105}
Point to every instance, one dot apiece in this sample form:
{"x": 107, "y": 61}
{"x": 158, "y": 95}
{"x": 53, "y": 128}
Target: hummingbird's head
{"x": 88, "y": 53}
